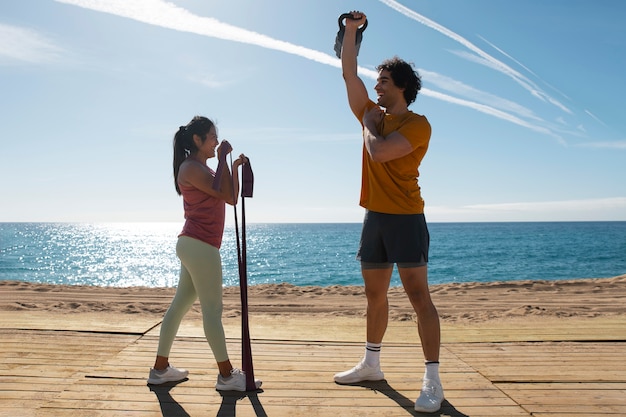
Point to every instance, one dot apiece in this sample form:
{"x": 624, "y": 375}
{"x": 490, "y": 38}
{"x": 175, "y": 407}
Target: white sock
{"x": 432, "y": 371}
{"x": 372, "y": 354}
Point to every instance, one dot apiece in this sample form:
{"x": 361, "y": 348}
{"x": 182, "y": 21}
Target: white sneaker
{"x": 430, "y": 398}
{"x": 235, "y": 382}
{"x": 359, "y": 373}
{"x": 169, "y": 374}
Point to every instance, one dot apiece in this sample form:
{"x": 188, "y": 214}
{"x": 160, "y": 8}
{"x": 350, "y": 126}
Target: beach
{"x": 517, "y": 348}
{"x": 456, "y": 302}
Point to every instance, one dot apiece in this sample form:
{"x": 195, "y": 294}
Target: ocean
{"x": 143, "y": 254}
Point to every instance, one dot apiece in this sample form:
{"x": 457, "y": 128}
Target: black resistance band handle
{"x": 342, "y": 29}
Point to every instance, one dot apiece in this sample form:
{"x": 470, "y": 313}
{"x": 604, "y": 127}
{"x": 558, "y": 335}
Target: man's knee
{"x": 376, "y": 296}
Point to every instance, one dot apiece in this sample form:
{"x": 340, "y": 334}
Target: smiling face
{"x": 206, "y": 146}
{"x": 387, "y": 92}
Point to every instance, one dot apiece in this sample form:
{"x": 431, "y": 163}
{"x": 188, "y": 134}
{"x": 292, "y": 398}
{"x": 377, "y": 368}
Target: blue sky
{"x": 526, "y": 100}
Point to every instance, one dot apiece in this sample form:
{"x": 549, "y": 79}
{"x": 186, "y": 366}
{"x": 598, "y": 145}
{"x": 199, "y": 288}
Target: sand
{"x": 456, "y": 303}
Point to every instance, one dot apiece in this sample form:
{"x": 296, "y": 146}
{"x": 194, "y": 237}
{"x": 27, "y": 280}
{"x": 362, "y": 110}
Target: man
{"x": 394, "y": 229}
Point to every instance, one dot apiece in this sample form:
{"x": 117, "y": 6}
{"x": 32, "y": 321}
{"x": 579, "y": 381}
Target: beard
{"x": 381, "y": 102}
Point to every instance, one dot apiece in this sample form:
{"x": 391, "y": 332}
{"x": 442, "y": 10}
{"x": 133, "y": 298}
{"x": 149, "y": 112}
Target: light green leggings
{"x": 200, "y": 277}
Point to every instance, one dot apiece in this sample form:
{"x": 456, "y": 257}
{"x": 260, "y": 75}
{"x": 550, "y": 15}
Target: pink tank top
{"x": 204, "y": 214}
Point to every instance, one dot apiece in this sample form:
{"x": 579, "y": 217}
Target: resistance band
{"x": 247, "y": 186}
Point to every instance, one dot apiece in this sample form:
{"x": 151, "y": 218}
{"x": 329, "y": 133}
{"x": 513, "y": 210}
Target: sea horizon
{"x": 303, "y": 222}
{"x": 123, "y": 254}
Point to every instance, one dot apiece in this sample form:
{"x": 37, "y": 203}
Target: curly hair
{"x": 403, "y": 76}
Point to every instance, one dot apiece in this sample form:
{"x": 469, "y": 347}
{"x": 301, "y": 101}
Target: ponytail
{"x": 184, "y": 144}
{"x": 181, "y": 151}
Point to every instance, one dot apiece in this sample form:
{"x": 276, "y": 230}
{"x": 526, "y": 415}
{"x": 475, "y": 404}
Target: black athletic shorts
{"x": 386, "y": 239}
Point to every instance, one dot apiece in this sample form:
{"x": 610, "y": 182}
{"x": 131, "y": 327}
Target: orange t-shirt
{"x": 391, "y": 187}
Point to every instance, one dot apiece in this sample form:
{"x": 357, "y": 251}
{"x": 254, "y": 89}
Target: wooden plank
{"x": 59, "y": 373}
{"x": 38, "y": 365}
{"x": 304, "y": 385}
{"x": 90, "y": 321}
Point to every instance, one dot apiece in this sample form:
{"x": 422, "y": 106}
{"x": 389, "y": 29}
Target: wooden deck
{"x": 87, "y": 365}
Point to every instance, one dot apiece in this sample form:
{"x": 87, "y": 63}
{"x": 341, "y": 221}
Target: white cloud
{"x": 604, "y": 145}
{"x": 608, "y": 209}
{"x": 210, "y": 81}
{"x": 24, "y": 45}
{"x": 588, "y": 204}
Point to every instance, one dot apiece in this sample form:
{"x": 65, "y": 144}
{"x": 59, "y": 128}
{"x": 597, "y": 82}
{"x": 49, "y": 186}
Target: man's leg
{"x": 376, "y": 288}
{"x": 415, "y": 282}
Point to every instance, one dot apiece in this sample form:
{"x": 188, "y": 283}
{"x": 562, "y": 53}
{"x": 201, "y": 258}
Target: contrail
{"x": 523, "y": 66}
{"x": 168, "y": 15}
{"x": 497, "y": 113}
{"x": 464, "y": 90}
{"x": 493, "y": 62}
{"x": 593, "y": 116}
{"x": 507, "y": 55}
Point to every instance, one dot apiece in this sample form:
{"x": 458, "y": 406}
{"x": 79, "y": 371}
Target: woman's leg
{"x": 204, "y": 264}
{"x": 182, "y": 302}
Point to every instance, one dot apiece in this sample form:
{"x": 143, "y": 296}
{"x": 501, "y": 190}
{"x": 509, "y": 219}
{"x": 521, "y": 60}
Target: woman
{"x": 198, "y": 250}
